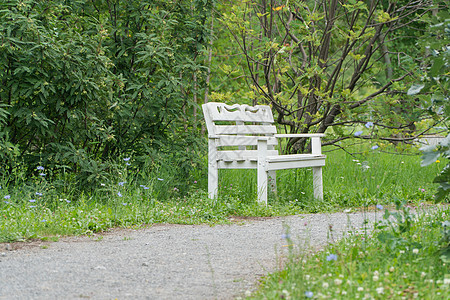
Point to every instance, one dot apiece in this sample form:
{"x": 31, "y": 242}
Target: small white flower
{"x": 337, "y": 281}
{"x": 391, "y": 269}
{"x": 380, "y": 290}
{"x": 307, "y": 277}
{"x": 423, "y": 274}
{"x": 375, "y": 278}
{"x": 446, "y": 280}
{"x": 360, "y": 289}
{"x": 325, "y": 285}
{"x": 415, "y": 251}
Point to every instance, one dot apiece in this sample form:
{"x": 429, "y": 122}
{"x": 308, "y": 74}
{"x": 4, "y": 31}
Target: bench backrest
{"x": 239, "y": 125}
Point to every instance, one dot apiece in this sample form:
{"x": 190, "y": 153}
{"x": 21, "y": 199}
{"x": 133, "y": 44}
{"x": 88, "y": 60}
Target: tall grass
{"x": 349, "y": 181}
{"x": 155, "y": 194}
{"x": 408, "y": 259}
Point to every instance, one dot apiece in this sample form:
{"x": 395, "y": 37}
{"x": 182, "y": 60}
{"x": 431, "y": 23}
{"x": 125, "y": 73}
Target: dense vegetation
{"x": 86, "y": 82}
{"x": 330, "y": 66}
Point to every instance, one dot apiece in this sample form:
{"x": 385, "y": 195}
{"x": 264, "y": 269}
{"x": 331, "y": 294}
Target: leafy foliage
{"x": 330, "y": 65}
{"x": 432, "y": 154}
{"x": 434, "y": 87}
{"x": 85, "y": 82}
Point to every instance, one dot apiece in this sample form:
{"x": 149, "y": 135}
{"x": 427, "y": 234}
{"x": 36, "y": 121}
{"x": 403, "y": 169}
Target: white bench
{"x": 244, "y": 137}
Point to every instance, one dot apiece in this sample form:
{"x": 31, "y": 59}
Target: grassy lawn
{"x": 38, "y": 209}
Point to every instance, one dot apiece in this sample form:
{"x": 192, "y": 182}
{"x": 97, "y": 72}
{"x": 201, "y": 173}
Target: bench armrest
{"x": 259, "y": 138}
{"x": 315, "y": 140}
{"x": 299, "y": 135}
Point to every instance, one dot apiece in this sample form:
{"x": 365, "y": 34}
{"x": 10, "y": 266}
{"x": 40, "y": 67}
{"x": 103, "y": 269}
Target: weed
{"x": 360, "y": 266}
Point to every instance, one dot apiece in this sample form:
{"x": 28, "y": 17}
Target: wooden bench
{"x": 244, "y": 137}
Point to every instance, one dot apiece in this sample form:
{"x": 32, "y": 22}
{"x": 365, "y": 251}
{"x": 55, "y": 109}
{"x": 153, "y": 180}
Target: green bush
{"x": 84, "y": 83}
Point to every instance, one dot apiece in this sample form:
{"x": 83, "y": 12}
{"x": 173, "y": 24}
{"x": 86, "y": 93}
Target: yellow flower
{"x": 278, "y": 8}
{"x": 438, "y": 161}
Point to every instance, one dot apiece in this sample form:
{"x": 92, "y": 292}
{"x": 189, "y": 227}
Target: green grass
{"x": 21, "y": 219}
{"x": 402, "y": 261}
{"x": 350, "y": 181}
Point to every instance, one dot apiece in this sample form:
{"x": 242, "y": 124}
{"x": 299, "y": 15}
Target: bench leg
{"x": 213, "y": 170}
{"x": 262, "y": 185}
{"x": 213, "y": 182}
{"x": 261, "y": 171}
{"x": 317, "y": 183}
{"x": 273, "y": 181}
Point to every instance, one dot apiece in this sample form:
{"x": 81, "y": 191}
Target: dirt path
{"x": 164, "y": 261}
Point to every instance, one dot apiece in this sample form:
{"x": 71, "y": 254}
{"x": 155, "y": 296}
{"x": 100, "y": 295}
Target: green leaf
{"x": 415, "y": 89}
{"x": 386, "y": 237}
{"x": 429, "y": 157}
{"x": 437, "y": 65}
{"x": 445, "y": 142}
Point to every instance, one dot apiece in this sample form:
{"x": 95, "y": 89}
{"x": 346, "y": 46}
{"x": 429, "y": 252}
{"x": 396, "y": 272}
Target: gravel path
{"x": 164, "y": 261}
